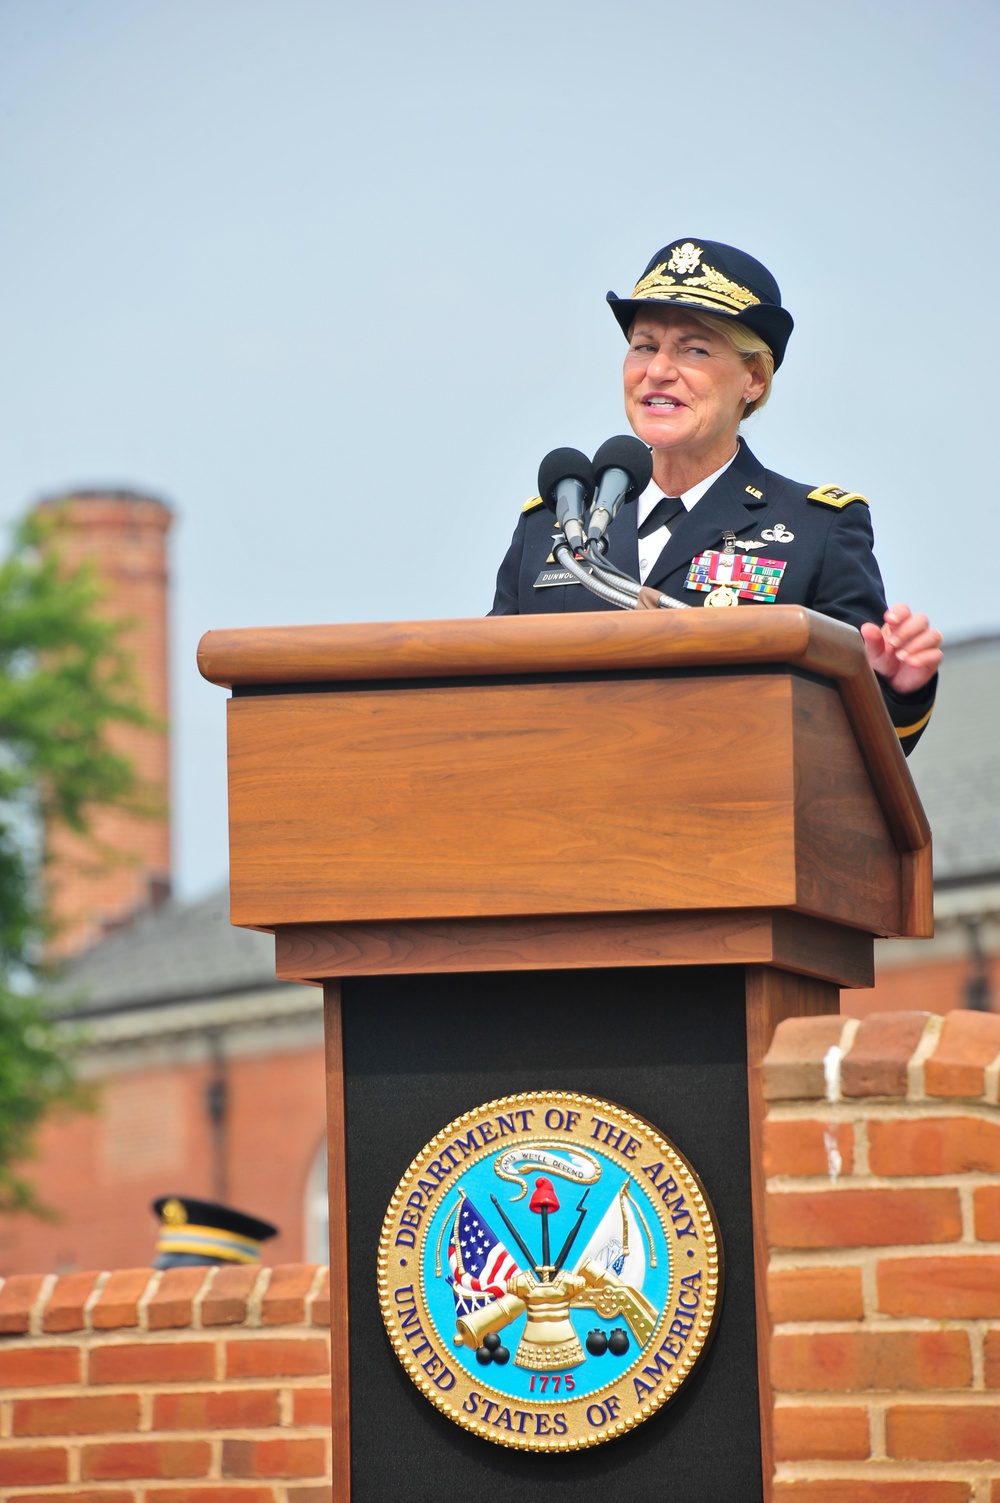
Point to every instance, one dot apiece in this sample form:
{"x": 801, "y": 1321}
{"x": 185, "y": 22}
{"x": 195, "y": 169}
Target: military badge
{"x": 684, "y": 258}
{"x": 728, "y": 578}
{"x": 550, "y": 1271}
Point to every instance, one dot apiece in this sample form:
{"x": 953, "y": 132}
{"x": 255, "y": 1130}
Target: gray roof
{"x": 179, "y": 951}
{"x": 956, "y": 765}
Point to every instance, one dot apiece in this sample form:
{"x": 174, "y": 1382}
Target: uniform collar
{"x": 653, "y": 493}
{"x": 732, "y": 503}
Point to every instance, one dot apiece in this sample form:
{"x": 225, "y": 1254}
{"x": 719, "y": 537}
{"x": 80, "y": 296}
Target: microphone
{"x": 623, "y": 467}
{"x": 566, "y": 484}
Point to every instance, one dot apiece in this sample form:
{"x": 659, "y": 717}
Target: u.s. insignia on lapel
{"x": 727, "y": 578}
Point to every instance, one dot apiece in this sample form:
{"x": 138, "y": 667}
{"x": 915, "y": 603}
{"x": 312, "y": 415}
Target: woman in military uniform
{"x": 706, "y": 332}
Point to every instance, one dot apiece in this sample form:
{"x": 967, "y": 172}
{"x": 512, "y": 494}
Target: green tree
{"x": 65, "y": 681}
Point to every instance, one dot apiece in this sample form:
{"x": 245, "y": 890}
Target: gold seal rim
{"x": 699, "y": 1338}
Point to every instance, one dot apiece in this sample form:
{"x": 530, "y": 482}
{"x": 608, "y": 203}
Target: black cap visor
{"x": 774, "y": 325}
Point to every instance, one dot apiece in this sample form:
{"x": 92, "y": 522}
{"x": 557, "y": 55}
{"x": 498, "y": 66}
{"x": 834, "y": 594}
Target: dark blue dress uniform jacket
{"x": 830, "y": 566}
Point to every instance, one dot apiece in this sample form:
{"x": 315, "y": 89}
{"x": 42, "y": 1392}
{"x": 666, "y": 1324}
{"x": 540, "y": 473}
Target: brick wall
{"x": 882, "y": 1151}
{"x": 191, "y": 1386}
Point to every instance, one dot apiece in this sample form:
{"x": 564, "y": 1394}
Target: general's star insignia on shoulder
{"x": 549, "y": 1271}
{"x": 832, "y": 495}
{"x": 533, "y": 503}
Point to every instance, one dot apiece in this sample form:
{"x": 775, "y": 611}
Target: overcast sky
{"x": 330, "y": 278}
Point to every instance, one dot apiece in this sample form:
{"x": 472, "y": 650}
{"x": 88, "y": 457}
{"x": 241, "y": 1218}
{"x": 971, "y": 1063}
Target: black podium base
{"x": 668, "y": 1044}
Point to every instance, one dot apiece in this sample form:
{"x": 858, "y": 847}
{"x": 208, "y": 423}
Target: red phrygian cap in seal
{"x": 544, "y": 1198}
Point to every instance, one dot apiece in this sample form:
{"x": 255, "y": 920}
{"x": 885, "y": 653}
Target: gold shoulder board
{"x": 530, "y": 505}
{"x": 832, "y": 495}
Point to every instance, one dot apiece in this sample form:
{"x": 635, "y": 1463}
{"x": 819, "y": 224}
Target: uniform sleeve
{"x": 505, "y": 601}
{"x": 850, "y": 589}
{"x": 910, "y": 713}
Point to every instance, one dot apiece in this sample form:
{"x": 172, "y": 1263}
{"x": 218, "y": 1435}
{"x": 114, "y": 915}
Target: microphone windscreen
{"x": 564, "y": 464}
{"x": 625, "y": 452}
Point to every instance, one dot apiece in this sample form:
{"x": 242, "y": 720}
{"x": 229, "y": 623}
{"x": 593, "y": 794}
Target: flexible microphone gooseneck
{"x": 566, "y": 484}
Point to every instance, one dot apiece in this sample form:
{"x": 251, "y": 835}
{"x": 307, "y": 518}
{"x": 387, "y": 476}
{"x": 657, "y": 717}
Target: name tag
{"x": 550, "y": 577}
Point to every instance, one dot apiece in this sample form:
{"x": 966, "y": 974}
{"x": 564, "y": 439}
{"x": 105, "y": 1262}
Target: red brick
{"x": 234, "y": 1408}
{"x": 321, "y": 1301}
{"x": 862, "y": 1218}
{"x": 986, "y": 1205}
{"x": 943, "y": 1288}
{"x": 304, "y": 1357}
{"x": 934, "y": 1145}
{"x": 793, "y": 1066}
{"x": 285, "y": 1296}
{"x": 64, "y": 1306}
{"x": 17, "y": 1300}
{"x": 34, "y": 1367}
{"x": 77, "y": 1414}
{"x": 83, "y": 1495}
{"x": 153, "y": 1362}
{"x": 117, "y": 1305}
{"x": 847, "y": 1361}
{"x": 319, "y": 1494}
{"x": 801, "y": 1147}
{"x": 173, "y": 1303}
{"x": 220, "y": 1493}
{"x": 815, "y": 1433}
{"x": 924, "y": 1490}
{"x": 312, "y": 1406}
{"x": 944, "y": 1432}
{"x": 281, "y": 1457}
{"x": 814, "y": 1294}
{"x": 24, "y": 1465}
{"x": 969, "y": 1042}
{"x": 225, "y": 1304}
{"x": 118, "y": 1460}
{"x": 876, "y": 1063}
{"x": 992, "y": 1353}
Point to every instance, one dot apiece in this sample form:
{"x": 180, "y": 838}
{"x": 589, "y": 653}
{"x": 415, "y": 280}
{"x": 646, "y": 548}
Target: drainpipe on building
{"x": 217, "y": 1110}
{"x": 977, "y": 988}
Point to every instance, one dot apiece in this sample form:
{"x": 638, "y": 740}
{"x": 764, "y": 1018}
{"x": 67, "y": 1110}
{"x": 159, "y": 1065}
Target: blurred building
{"x": 209, "y": 1074}
{"x": 210, "y": 1082}
{"x": 956, "y": 767}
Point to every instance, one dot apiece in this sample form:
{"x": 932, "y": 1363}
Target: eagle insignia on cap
{"x": 684, "y": 258}
{"x": 173, "y": 1213}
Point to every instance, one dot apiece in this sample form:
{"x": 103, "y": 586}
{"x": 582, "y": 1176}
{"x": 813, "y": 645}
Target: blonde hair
{"x": 749, "y": 346}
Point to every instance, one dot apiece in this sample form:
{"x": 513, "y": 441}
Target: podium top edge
{"x": 584, "y": 642}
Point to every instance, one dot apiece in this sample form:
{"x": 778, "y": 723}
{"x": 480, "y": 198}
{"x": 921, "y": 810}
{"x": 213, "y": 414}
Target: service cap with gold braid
{"x": 709, "y": 277}
{"x": 194, "y": 1232}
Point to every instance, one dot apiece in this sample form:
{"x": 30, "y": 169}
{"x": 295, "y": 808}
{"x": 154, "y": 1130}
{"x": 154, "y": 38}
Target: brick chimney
{"x": 123, "y": 536}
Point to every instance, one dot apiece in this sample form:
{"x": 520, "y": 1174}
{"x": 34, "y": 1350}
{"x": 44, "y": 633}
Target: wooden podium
{"x": 599, "y": 852}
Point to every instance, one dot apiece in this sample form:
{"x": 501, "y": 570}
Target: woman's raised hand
{"x": 905, "y": 650}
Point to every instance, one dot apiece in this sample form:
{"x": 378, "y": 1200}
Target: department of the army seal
{"x": 549, "y": 1271}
